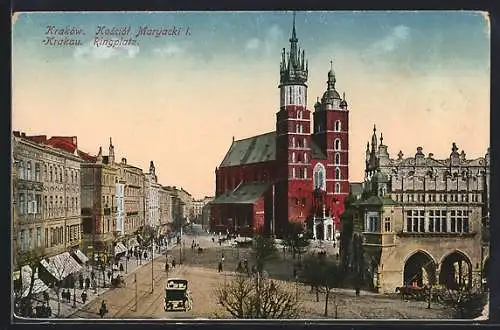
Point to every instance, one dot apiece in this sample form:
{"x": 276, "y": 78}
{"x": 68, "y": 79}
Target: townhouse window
{"x": 37, "y": 172}
{"x": 45, "y": 204}
{"x": 372, "y": 224}
{"x": 60, "y": 175}
{"x": 22, "y": 204}
{"x": 293, "y": 157}
{"x": 45, "y": 177}
{"x": 38, "y": 204}
{"x": 387, "y": 224}
{"x": 51, "y": 175}
{"x": 21, "y": 240}
{"x": 29, "y": 241}
{"x": 66, "y": 176}
{"x": 337, "y": 188}
{"x": 337, "y": 159}
{"x": 21, "y": 170}
{"x": 28, "y": 171}
{"x": 305, "y": 143}
{"x": 47, "y": 237}
{"x": 38, "y": 237}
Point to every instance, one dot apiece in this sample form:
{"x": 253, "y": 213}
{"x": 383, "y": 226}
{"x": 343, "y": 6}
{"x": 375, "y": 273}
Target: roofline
{"x": 254, "y": 136}
{"x": 239, "y": 165}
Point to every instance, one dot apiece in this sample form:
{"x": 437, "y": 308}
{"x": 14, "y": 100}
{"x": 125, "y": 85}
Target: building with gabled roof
{"x": 292, "y": 173}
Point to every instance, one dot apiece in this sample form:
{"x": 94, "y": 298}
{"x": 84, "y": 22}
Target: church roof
{"x": 246, "y": 193}
{"x": 258, "y": 149}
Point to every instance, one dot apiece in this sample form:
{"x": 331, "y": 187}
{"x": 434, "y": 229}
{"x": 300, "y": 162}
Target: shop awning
{"x": 61, "y": 265}
{"x": 133, "y": 243}
{"x": 80, "y": 256}
{"x": 38, "y": 285}
{"x": 120, "y": 248}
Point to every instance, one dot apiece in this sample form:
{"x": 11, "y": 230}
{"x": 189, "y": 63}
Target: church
{"x": 299, "y": 172}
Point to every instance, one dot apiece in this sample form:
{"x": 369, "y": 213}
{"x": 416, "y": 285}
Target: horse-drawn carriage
{"x": 177, "y": 296}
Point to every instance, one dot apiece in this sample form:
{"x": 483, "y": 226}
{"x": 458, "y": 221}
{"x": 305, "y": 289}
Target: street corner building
{"x": 421, "y": 221}
{"x": 290, "y": 174}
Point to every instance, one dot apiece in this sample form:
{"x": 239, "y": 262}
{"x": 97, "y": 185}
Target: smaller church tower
{"x": 331, "y": 134}
{"x": 152, "y": 170}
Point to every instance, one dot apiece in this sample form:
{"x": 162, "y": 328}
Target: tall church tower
{"x": 293, "y": 141}
{"x": 331, "y": 134}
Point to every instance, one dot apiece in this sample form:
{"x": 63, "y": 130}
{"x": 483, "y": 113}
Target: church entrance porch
{"x": 323, "y": 229}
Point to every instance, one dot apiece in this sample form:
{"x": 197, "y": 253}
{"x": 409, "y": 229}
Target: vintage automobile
{"x": 177, "y": 296}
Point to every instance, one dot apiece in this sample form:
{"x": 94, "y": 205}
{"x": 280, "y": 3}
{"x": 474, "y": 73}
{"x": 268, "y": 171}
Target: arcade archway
{"x": 456, "y": 271}
{"x": 419, "y": 269}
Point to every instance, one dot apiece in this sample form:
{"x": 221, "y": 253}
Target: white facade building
{"x": 120, "y": 207}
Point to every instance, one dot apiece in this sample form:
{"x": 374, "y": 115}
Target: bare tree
{"x": 295, "y": 239}
{"x": 264, "y": 248}
{"x": 465, "y": 303}
{"x": 320, "y": 272}
{"x": 25, "y": 287}
{"x": 258, "y": 298}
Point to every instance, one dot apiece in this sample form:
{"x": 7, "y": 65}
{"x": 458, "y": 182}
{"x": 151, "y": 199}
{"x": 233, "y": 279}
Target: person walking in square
{"x": 87, "y": 283}
{"x": 80, "y": 280}
{"x": 84, "y": 296}
{"x": 103, "y": 310}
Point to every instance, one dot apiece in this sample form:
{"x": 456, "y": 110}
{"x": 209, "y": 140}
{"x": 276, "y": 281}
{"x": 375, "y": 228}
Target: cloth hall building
{"x": 423, "y": 220}
{"x": 292, "y": 173}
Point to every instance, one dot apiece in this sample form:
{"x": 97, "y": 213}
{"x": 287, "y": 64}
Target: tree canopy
{"x": 264, "y": 249}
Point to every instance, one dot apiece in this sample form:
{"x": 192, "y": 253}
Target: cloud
{"x": 391, "y": 42}
{"x": 252, "y": 44}
{"x": 105, "y": 51}
{"x": 268, "y": 43}
{"x": 169, "y": 50}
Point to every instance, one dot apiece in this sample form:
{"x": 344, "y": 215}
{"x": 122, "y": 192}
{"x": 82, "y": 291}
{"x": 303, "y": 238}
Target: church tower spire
{"x": 111, "y": 154}
{"x": 293, "y": 67}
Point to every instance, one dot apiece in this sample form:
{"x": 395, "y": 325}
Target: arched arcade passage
{"x": 456, "y": 271}
{"x": 419, "y": 269}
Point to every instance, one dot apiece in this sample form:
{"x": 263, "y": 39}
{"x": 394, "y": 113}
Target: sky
{"x": 422, "y": 77}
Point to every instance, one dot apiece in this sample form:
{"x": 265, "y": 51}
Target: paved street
{"x": 200, "y": 269}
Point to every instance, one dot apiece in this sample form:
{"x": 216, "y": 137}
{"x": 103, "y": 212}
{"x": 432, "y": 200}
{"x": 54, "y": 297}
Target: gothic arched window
{"x": 337, "y": 188}
{"x": 337, "y": 144}
{"x": 338, "y": 126}
{"x": 337, "y": 173}
{"x": 319, "y": 177}
{"x": 337, "y": 159}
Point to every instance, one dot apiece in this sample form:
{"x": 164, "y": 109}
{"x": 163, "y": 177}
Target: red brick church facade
{"x": 290, "y": 174}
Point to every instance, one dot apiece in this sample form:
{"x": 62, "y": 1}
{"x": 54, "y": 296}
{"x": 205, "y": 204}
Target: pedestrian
{"x": 213, "y": 239}
{"x": 87, "y": 283}
{"x": 92, "y": 275}
{"x": 145, "y": 255}
{"x": 84, "y": 296}
{"x": 121, "y": 267}
{"x": 173, "y": 263}
{"x": 103, "y": 310}
{"x": 109, "y": 275}
{"x": 166, "y": 266}
{"x": 222, "y": 258}
{"x": 357, "y": 291}
{"x": 48, "y": 311}
{"x": 128, "y": 257}
{"x": 220, "y": 266}
{"x": 80, "y": 280}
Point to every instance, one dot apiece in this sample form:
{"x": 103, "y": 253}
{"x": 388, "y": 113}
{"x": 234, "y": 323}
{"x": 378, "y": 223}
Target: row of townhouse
{"x": 66, "y": 200}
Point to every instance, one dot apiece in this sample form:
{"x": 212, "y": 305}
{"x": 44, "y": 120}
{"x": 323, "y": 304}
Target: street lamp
{"x": 74, "y": 290}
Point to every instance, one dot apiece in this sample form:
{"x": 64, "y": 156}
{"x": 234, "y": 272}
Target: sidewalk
{"x": 67, "y": 308}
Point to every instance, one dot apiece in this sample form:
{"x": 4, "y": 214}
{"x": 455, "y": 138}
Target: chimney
{"x": 124, "y": 161}
{"x": 23, "y": 134}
